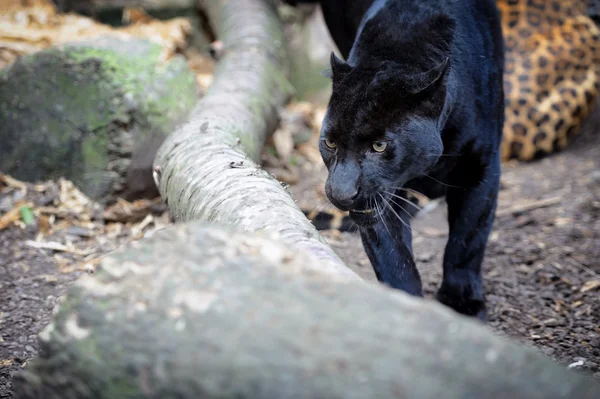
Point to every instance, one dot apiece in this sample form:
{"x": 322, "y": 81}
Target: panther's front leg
{"x": 470, "y": 217}
{"x": 389, "y": 248}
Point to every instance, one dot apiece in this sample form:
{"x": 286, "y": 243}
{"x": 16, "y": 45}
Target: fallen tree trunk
{"x": 91, "y": 112}
{"x": 208, "y": 169}
{"x": 222, "y": 314}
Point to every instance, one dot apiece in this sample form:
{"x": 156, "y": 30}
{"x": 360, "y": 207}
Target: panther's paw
{"x": 467, "y": 306}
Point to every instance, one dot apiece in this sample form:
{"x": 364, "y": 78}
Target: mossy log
{"x": 208, "y": 169}
{"x": 198, "y": 311}
{"x": 91, "y": 112}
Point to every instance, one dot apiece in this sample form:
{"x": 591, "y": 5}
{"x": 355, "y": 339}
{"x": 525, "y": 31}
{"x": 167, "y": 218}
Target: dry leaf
{"x": 558, "y": 305}
{"x": 289, "y": 176}
{"x": 13, "y": 183}
{"x": 576, "y": 304}
{"x": 44, "y": 223}
{"x": 14, "y": 215}
{"x": 283, "y": 142}
{"x": 89, "y": 266}
{"x": 560, "y": 221}
{"x": 317, "y": 120}
{"x": 56, "y": 246}
{"x": 433, "y": 232}
{"x": 590, "y": 285}
{"x": 204, "y": 80}
{"x": 310, "y": 153}
{"x": 304, "y": 107}
{"x": 136, "y": 15}
{"x": 137, "y": 230}
{"x": 130, "y": 212}
{"x": 34, "y": 25}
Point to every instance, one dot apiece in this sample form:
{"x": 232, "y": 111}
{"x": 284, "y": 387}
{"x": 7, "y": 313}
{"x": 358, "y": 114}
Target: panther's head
{"x": 381, "y": 128}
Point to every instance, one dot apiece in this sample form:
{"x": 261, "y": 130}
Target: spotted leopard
{"x": 552, "y": 74}
{"x": 551, "y": 82}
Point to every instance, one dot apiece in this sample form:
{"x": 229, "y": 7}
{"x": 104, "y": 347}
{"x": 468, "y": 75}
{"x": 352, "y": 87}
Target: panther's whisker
{"x": 321, "y": 206}
{"x": 404, "y": 199}
{"x": 394, "y": 211}
{"x": 410, "y": 190}
{"x": 401, "y": 208}
{"x": 441, "y": 182}
{"x": 380, "y": 214}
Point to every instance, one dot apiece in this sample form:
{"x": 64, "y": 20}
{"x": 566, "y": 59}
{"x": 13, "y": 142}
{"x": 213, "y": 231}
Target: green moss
{"x": 89, "y": 352}
{"x": 62, "y": 107}
{"x": 122, "y": 388}
{"x": 94, "y": 156}
{"x": 162, "y": 91}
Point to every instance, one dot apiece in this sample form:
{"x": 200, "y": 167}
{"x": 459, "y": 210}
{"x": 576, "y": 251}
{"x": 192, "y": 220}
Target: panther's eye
{"x": 330, "y": 144}
{"x": 379, "y": 146}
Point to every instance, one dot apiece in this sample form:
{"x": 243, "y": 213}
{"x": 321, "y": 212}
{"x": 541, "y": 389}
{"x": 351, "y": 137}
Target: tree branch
{"x": 208, "y": 169}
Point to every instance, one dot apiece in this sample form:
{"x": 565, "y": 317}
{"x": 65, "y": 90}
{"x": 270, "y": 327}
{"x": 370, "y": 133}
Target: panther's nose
{"x": 344, "y": 197}
{"x": 343, "y": 184}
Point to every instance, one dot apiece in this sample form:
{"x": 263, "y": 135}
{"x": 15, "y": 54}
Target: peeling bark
{"x": 224, "y": 315}
{"x": 208, "y": 169}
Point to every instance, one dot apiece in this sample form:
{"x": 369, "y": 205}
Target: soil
{"x": 542, "y": 270}
{"x": 73, "y": 234}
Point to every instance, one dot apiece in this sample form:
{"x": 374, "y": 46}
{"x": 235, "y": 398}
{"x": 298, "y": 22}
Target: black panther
{"x": 418, "y": 104}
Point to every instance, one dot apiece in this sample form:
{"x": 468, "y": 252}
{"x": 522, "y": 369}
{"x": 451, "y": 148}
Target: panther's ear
{"x": 391, "y": 81}
{"x": 430, "y": 79}
{"x": 339, "y": 68}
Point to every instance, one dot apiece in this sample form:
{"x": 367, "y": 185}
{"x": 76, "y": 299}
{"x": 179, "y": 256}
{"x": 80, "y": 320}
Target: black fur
{"x": 425, "y": 77}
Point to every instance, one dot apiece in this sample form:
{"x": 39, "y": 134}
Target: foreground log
{"x": 201, "y": 312}
{"x": 208, "y": 168}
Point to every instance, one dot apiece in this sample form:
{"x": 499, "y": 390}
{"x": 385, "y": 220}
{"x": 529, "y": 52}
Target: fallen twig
{"x": 14, "y": 183}
{"x": 528, "y": 206}
{"x": 56, "y": 246}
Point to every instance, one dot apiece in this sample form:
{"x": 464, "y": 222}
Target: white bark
{"x": 208, "y": 168}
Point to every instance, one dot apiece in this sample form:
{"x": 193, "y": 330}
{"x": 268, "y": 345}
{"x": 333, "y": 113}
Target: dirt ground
{"x": 542, "y": 271}
{"x": 39, "y": 261}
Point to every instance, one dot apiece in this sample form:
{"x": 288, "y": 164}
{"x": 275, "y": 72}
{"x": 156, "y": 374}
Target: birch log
{"x": 208, "y": 169}
{"x": 201, "y": 312}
